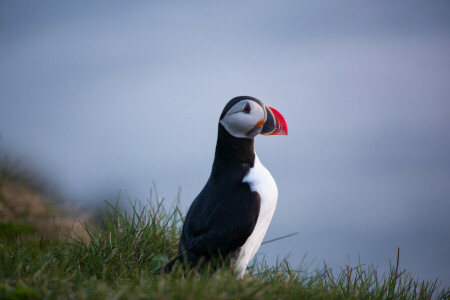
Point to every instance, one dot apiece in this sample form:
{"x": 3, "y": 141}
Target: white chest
{"x": 262, "y": 182}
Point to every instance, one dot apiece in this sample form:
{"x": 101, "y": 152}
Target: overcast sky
{"x": 106, "y": 96}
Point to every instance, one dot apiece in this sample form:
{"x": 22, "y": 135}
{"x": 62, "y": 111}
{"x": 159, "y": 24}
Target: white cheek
{"x": 239, "y": 124}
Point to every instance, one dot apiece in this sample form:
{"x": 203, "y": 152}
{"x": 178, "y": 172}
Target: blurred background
{"x": 106, "y": 96}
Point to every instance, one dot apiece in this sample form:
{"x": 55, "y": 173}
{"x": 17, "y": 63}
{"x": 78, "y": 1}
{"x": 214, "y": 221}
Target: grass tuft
{"x": 115, "y": 257}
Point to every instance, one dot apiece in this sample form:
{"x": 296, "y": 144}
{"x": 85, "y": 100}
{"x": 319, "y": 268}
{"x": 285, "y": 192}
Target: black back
{"x": 224, "y": 214}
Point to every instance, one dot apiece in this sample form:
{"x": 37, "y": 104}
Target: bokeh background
{"x": 101, "y": 96}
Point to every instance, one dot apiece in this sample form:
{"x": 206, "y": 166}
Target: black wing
{"x": 219, "y": 220}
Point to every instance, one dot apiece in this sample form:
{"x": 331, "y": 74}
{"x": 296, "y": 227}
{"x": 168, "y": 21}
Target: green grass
{"x": 124, "y": 248}
{"x": 115, "y": 257}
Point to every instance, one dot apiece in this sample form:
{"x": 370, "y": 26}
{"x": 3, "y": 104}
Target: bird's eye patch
{"x": 247, "y": 108}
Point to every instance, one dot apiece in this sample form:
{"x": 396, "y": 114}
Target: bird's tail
{"x": 180, "y": 259}
{"x": 168, "y": 267}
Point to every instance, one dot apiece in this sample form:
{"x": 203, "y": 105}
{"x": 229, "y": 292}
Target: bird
{"x": 232, "y": 213}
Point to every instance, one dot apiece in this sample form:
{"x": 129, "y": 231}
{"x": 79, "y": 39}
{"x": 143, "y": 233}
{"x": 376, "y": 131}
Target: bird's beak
{"x": 274, "y": 123}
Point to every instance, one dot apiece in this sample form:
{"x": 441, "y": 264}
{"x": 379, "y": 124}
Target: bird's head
{"x": 246, "y": 117}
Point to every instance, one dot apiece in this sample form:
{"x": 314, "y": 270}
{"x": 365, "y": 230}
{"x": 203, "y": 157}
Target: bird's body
{"x": 230, "y": 216}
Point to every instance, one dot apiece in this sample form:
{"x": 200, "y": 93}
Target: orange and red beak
{"x": 274, "y": 122}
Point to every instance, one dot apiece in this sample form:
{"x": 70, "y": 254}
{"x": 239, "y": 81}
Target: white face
{"x": 245, "y": 119}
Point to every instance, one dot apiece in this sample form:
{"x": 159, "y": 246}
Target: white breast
{"x": 262, "y": 182}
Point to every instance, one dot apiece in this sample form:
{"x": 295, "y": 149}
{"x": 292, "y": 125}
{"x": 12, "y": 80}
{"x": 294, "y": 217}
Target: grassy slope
{"x": 123, "y": 250}
{"x": 115, "y": 258}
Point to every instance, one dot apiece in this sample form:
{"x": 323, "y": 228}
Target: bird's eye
{"x": 247, "y": 108}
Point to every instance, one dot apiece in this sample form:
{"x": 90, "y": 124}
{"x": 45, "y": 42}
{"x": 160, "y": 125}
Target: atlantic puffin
{"x": 230, "y": 216}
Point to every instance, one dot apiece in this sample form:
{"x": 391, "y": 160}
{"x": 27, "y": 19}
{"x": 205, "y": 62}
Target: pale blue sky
{"x": 106, "y": 96}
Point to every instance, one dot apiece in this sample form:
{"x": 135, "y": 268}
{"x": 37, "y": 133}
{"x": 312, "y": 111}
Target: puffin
{"x": 231, "y": 214}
